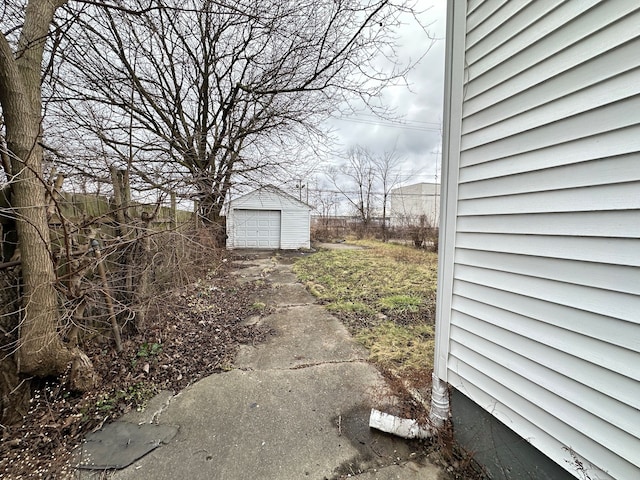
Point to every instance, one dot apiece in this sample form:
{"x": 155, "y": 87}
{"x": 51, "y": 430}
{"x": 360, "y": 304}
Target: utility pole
{"x": 300, "y": 186}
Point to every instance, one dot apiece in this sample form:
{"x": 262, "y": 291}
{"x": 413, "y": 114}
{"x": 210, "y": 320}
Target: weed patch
{"x": 394, "y": 280}
{"x": 350, "y": 307}
{"x": 259, "y": 306}
{"x": 401, "y": 303}
{"x": 135, "y": 395}
{"x": 398, "y": 348}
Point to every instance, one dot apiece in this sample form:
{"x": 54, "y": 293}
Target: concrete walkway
{"x": 296, "y": 407}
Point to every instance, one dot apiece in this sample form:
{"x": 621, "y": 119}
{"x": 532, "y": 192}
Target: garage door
{"x": 257, "y": 229}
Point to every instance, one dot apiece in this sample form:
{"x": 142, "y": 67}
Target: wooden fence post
{"x": 108, "y": 295}
{"x": 174, "y": 212}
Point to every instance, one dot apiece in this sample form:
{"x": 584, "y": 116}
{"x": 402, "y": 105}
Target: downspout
{"x": 439, "y": 411}
{"x": 453, "y": 97}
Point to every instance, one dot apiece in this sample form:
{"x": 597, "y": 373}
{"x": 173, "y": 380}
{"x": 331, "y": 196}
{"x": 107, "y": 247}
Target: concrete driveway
{"x": 295, "y": 407}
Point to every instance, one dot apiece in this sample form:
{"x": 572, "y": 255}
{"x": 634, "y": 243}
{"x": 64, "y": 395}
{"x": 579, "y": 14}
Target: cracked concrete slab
{"x": 273, "y": 424}
{"x": 282, "y": 274}
{"x": 285, "y": 295}
{"x": 303, "y": 335}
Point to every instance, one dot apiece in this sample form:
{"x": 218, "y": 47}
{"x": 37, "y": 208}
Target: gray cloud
{"x": 417, "y": 139}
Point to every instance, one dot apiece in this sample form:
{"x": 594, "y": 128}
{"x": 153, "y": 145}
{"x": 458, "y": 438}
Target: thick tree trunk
{"x": 211, "y": 213}
{"x": 40, "y": 350}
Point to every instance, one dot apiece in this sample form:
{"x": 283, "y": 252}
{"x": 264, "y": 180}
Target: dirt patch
{"x": 338, "y": 246}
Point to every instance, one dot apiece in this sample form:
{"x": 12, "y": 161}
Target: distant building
{"x": 410, "y": 204}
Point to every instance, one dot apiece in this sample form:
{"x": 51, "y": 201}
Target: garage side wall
{"x": 539, "y": 293}
{"x": 296, "y": 225}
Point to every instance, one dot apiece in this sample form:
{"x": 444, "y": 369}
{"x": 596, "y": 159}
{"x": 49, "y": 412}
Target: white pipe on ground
{"x": 402, "y": 427}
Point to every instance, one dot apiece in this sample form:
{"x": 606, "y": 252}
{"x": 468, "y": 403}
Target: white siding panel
{"x": 616, "y": 251}
{"x": 616, "y": 304}
{"x": 487, "y": 19}
{"x": 607, "y": 329}
{"x": 593, "y": 72}
{"x": 618, "y": 420}
{"x": 617, "y": 278}
{"x": 265, "y": 199}
{"x": 585, "y": 174}
{"x": 622, "y": 196}
{"x": 526, "y": 401}
{"x": 614, "y": 89}
{"x": 593, "y": 367}
{"x": 616, "y": 224}
{"x": 295, "y": 229}
{"x": 594, "y": 122}
{"x": 520, "y": 31}
{"x": 480, "y": 11}
{"x": 609, "y": 144}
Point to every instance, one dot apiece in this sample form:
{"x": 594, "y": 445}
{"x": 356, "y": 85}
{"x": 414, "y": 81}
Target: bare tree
{"x": 356, "y": 180}
{"x": 40, "y": 350}
{"x": 387, "y": 171}
{"x": 365, "y": 180}
{"x": 200, "y": 92}
{"x": 325, "y": 204}
{"x": 214, "y": 91}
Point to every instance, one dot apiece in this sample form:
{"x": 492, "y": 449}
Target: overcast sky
{"x": 418, "y": 140}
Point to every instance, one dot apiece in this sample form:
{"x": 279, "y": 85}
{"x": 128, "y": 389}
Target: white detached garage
{"x": 268, "y": 218}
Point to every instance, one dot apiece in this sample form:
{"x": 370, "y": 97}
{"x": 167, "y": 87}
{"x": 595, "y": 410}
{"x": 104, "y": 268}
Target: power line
{"x": 356, "y": 192}
{"x": 376, "y": 117}
{"x": 402, "y": 126}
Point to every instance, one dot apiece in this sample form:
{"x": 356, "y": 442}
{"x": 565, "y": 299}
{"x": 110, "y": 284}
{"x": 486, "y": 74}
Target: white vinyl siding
{"x": 539, "y": 319}
{"x": 268, "y": 218}
{"x": 296, "y": 229}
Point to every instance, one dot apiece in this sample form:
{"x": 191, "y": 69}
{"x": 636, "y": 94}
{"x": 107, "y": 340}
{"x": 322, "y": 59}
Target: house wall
{"x": 539, "y": 291}
{"x": 407, "y": 204}
{"x": 502, "y": 453}
{"x": 295, "y": 219}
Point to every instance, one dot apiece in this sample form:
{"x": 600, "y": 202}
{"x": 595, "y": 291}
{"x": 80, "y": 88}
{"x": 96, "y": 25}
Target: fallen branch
{"x": 10, "y": 264}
